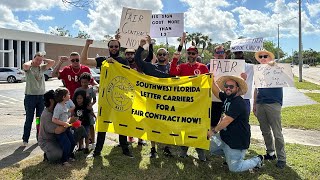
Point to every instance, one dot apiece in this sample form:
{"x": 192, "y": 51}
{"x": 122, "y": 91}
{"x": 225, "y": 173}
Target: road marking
{"x": 11, "y": 98}
{"x": 2, "y": 104}
{"x": 10, "y": 102}
{"x": 18, "y": 141}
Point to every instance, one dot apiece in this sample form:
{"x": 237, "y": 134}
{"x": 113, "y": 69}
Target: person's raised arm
{"x": 62, "y": 59}
{"x": 137, "y": 57}
{"x": 215, "y": 89}
{"x": 49, "y": 63}
{"x": 26, "y": 66}
{"x": 174, "y": 68}
{"x": 150, "y": 54}
{"x": 182, "y": 41}
{"x": 84, "y": 55}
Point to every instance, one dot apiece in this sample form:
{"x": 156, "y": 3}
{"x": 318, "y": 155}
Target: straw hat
{"x": 242, "y": 84}
{"x": 257, "y": 54}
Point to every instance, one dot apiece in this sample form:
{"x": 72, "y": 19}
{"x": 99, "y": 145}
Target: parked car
{"x": 305, "y": 66}
{"x": 11, "y": 74}
{"x": 95, "y": 76}
{"x": 48, "y": 74}
{"x": 96, "y": 70}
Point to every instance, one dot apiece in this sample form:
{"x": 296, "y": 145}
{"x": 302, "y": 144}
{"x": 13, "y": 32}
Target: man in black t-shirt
{"x": 114, "y": 50}
{"x": 234, "y": 126}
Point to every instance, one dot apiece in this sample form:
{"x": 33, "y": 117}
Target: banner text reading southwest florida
{"x": 165, "y": 107}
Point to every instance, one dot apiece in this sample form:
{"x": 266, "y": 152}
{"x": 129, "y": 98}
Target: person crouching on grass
{"x": 83, "y": 111}
{"x": 60, "y": 117}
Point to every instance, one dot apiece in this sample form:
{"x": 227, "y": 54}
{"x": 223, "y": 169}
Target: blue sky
{"x": 222, "y": 20}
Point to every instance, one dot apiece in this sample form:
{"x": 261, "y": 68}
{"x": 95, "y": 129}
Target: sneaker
{"x": 66, "y": 164}
{"x": 127, "y": 153}
{"x": 142, "y": 143}
{"x": 281, "y": 164}
{"x": 86, "y": 151}
{"x": 153, "y": 153}
{"x": 268, "y": 157}
{"x": 167, "y": 152}
{"x": 260, "y": 164}
{"x": 24, "y": 144}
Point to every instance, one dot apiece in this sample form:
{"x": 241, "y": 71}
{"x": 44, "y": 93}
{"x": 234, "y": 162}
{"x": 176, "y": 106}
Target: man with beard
{"x": 156, "y": 70}
{"x": 234, "y": 126}
{"x": 114, "y": 50}
{"x": 192, "y": 67}
{"x": 249, "y": 80}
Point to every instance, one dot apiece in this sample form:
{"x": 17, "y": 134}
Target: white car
{"x": 11, "y": 74}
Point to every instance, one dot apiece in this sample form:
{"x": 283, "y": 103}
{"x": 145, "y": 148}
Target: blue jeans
{"x": 67, "y": 144}
{"x": 234, "y": 157}
{"x": 31, "y": 103}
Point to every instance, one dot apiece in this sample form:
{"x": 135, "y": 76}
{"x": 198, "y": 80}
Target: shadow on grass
{"x": 19, "y": 154}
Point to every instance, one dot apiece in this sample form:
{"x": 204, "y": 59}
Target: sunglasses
{"x": 219, "y": 52}
{"x": 162, "y": 54}
{"x": 263, "y": 56}
{"x": 228, "y": 86}
{"x": 193, "y": 53}
{"x": 113, "y": 46}
{"x": 74, "y": 60}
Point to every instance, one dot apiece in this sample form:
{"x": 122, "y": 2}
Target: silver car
{"x": 11, "y": 74}
{"x": 48, "y": 74}
{"x": 95, "y": 76}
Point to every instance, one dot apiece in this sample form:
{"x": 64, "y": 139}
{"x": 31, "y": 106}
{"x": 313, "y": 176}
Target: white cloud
{"x": 105, "y": 15}
{"x": 45, "y": 18}
{"x": 314, "y": 9}
{"x": 9, "y": 21}
{"x": 34, "y": 5}
{"x": 209, "y": 18}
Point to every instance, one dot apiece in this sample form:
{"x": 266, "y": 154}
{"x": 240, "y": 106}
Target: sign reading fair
{"x": 227, "y": 67}
{"x": 249, "y": 45}
{"x": 134, "y": 25}
{"x": 279, "y": 75}
{"x": 167, "y": 25}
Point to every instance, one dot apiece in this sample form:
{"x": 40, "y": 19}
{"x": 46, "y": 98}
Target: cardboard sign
{"x": 167, "y": 25}
{"x": 279, "y": 75}
{"x": 134, "y": 26}
{"x": 227, "y": 67}
{"x": 249, "y": 45}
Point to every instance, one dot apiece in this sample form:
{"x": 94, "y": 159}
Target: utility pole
{"x": 300, "y": 45}
{"x": 278, "y": 43}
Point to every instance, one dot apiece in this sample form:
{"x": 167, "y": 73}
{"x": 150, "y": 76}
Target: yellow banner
{"x": 167, "y": 110}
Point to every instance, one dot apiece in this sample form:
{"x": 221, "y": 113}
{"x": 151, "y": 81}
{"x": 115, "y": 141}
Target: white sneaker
{"x": 24, "y": 144}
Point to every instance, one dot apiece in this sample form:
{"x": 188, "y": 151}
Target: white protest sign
{"x": 227, "y": 67}
{"x": 167, "y": 25}
{"x": 279, "y": 75}
{"x": 249, "y": 45}
{"x": 134, "y": 25}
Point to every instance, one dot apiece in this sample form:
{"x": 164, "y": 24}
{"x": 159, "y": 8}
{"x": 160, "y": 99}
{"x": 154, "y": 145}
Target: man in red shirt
{"x": 71, "y": 74}
{"x": 190, "y": 68}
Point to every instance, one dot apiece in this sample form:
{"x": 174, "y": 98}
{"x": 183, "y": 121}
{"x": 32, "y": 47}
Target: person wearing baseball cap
{"x": 267, "y": 108}
{"x": 232, "y": 134}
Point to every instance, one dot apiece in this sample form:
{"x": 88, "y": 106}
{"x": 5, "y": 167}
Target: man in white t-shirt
{"x": 249, "y": 80}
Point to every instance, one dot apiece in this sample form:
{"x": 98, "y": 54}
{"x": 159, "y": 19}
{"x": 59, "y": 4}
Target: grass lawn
{"x": 303, "y": 163}
{"x": 305, "y": 84}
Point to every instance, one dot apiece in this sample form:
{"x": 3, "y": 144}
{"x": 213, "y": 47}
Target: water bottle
{"x": 216, "y": 140}
{"x": 38, "y": 126}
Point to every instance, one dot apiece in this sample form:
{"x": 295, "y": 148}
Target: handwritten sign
{"x": 227, "y": 67}
{"x": 249, "y": 45}
{"x": 266, "y": 76}
{"x": 134, "y": 26}
{"x": 167, "y": 25}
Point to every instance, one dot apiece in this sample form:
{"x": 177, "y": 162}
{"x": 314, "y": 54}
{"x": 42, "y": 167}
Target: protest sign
{"x": 134, "y": 26}
{"x": 279, "y": 75}
{"x": 227, "y": 67}
{"x": 249, "y": 45}
{"x": 155, "y": 109}
{"x": 167, "y": 25}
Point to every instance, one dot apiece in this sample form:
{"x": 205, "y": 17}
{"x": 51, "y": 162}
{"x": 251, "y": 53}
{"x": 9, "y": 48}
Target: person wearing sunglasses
{"x": 267, "y": 108}
{"x": 114, "y": 52}
{"x": 232, "y": 134}
{"x": 70, "y": 74}
{"x": 190, "y": 68}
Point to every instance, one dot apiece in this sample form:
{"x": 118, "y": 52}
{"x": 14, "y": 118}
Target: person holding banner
{"x": 234, "y": 128}
{"x": 267, "y": 108}
{"x": 249, "y": 80}
{"x": 191, "y": 68}
{"x": 114, "y": 50}
{"x": 156, "y": 70}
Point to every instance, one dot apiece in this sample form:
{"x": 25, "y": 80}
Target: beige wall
{"x": 55, "y": 50}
